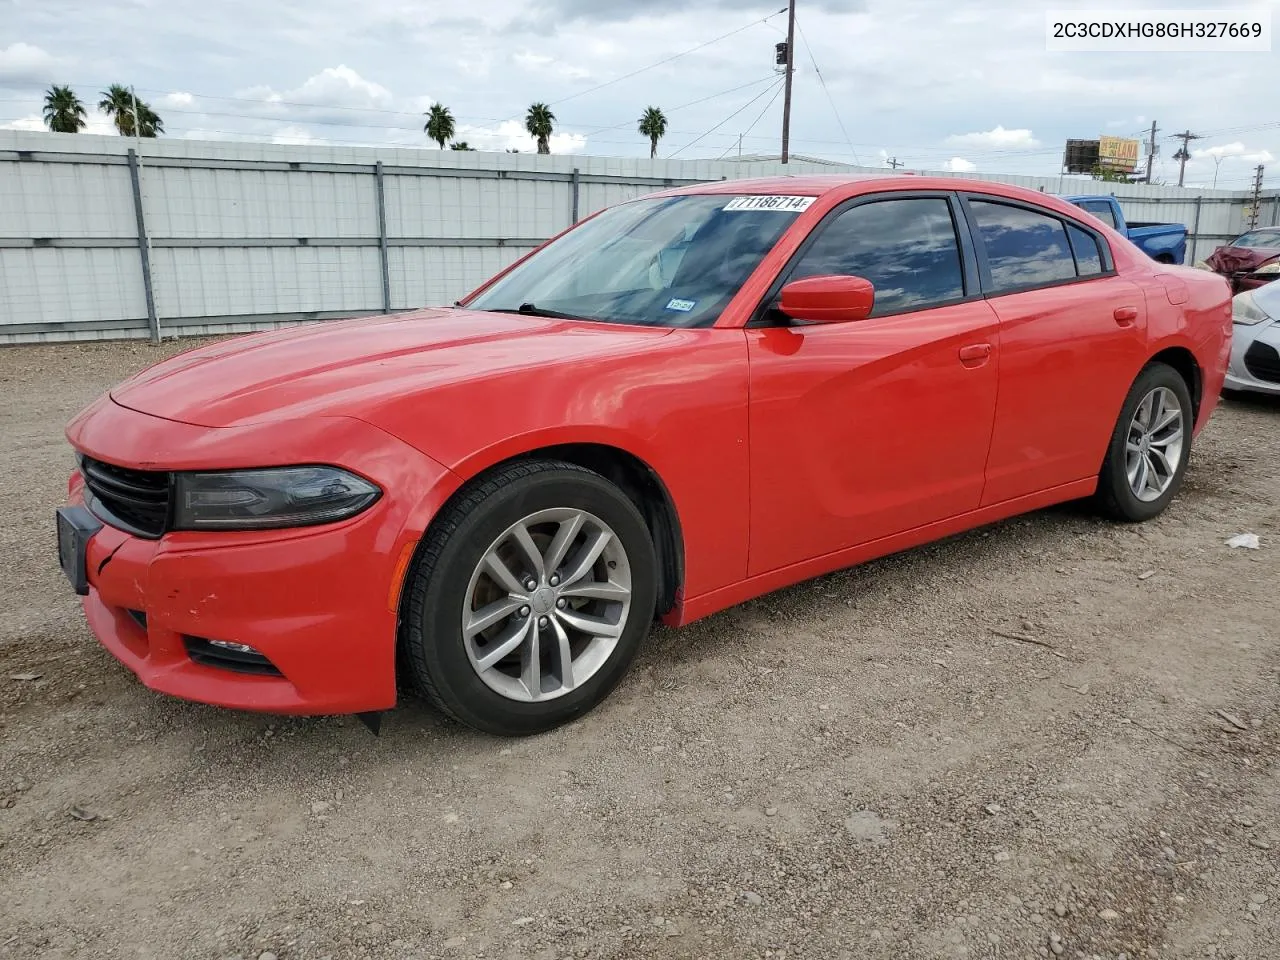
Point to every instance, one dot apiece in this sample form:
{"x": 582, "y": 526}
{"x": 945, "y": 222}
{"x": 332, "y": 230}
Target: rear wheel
{"x": 1147, "y": 457}
{"x": 529, "y": 598}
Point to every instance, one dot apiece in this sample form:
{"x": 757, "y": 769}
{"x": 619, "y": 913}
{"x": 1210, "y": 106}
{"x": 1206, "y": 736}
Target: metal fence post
{"x": 1195, "y": 232}
{"x": 382, "y": 238}
{"x": 577, "y": 182}
{"x": 144, "y": 247}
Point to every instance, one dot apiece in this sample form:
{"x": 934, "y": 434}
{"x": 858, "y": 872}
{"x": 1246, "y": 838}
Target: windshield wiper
{"x": 533, "y": 310}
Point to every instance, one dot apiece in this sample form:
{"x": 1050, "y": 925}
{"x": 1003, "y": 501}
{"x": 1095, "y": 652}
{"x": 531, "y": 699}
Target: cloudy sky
{"x": 939, "y": 84}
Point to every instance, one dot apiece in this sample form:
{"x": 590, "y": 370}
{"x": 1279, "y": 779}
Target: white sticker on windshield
{"x": 684, "y": 306}
{"x": 781, "y": 204}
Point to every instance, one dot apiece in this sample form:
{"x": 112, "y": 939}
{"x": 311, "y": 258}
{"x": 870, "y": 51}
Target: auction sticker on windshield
{"x": 781, "y": 204}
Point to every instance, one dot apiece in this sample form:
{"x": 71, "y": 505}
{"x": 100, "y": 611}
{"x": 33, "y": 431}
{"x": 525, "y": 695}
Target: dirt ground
{"x": 857, "y": 767}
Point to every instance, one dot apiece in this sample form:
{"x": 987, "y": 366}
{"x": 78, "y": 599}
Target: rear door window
{"x": 1085, "y": 247}
{"x": 1024, "y": 248}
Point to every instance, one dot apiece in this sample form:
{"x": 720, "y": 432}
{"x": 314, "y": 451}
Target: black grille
{"x": 1263, "y": 362}
{"x": 210, "y": 654}
{"x": 136, "y": 501}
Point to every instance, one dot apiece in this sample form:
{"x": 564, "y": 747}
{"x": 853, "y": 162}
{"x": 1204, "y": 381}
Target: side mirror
{"x": 828, "y": 299}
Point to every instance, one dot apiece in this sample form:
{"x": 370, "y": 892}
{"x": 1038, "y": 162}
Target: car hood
{"x": 1236, "y": 259}
{"x": 349, "y": 367}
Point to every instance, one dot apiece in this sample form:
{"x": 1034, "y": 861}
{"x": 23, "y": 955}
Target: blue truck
{"x": 1163, "y": 242}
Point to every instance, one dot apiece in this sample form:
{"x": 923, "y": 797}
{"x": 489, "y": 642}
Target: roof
{"x": 806, "y": 185}
{"x": 853, "y": 184}
{"x": 815, "y": 185}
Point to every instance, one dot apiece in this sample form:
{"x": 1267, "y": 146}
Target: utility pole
{"x": 895, "y": 163}
{"x": 1255, "y": 202}
{"x": 1151, "y": 150}
{"x": 786, "y": 96}
{"x": 1182, "y": 156}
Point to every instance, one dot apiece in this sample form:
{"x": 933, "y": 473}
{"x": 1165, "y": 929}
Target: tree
{"x": 439, "y": 126}
{"x": 540, "y": 121}
{"x": 461, "y": 145}
{"x": 119, "y": 104}
{"x": 63, "y": 111}
{"x": 1109, "y": 175}
{"x": 654, "y": 126}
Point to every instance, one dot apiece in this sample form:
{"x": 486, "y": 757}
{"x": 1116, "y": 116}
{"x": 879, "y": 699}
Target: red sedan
{"x": 685, "y": 401}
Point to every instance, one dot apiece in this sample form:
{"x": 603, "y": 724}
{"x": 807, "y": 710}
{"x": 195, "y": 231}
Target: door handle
{"x": 1125, "y": 316}
{"x": 975, "y": 354}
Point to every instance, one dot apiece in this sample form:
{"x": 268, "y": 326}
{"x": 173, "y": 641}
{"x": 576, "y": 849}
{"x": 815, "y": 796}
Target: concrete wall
{"x": 247, "y": 236}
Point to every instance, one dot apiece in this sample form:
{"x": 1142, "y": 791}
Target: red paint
{"x": 828, "y": 299}
{"x": 787, "y": 452}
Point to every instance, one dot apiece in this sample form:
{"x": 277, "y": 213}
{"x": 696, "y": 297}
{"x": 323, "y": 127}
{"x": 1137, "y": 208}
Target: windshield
{"x": 1258, "y": 238}
{"x": 661, "y": 262}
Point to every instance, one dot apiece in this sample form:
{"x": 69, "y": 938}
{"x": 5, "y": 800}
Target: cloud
{"x": 541, "y": 63}
{"x": 960, "y": 165}
{"x": 511, "y": 135}
{"x": 327, "y": 93}
{"x": 1235, "y": 151}
{"x": 96, "y": 123}
{"x": 619, "y": 11}
{"x": 24, "y": 63}
{"x": 997, "y": 138}
{"x": 175, "y": 99}
{"x": 24, "y": 123}
{"x": 292, "y": 134}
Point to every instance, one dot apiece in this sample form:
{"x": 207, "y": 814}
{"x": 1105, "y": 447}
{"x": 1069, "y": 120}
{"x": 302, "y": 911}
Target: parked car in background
{"x": 1249, "y": 261}
{"x": 682, "y": 402}
{"x": 1255, "y": 346}
{"x": 1162, "y": 242}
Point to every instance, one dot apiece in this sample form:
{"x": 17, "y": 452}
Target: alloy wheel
{"x": 1153, "y": 446}
{"x": 546, "y": 604}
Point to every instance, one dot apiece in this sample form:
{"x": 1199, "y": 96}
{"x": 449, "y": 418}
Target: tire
{"x": 449, "y": 573}
{"x": 1116, "y": 494}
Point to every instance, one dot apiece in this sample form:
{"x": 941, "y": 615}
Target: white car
{"x": 1255, "y": 345}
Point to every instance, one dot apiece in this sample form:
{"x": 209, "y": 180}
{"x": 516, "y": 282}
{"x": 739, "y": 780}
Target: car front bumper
{"x": 1255, "y": 358}
{"x": 318, "y": 603}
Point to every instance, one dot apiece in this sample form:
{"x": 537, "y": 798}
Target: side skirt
{"x": 708, "y": 603}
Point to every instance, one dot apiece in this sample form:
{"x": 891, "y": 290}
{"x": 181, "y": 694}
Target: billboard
{"x": 1118, "y": 153}
{"x": 1081, "y": 156}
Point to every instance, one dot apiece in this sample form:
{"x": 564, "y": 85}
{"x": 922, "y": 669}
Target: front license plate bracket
{"x": 76, "y": 527}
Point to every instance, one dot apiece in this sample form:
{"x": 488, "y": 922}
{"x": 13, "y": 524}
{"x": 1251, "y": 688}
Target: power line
{"x": 723, "y": 122}
{"x": 691, "y": 103}
{"x": 822, "y": 80}
{"x": 776, "y": 90}
{"x": 677, "y": 56}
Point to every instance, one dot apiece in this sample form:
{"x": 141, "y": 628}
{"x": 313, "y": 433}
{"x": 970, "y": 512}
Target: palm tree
{"x": 654, "y": 126}
{"x": 540, "y": 121}
{"x": 461, "y": 145}
{"x": 63, "y": 111}
{"x": 120, "y": 105}
{"x": 149, "y": 122}
{"x": 439, "y": 125}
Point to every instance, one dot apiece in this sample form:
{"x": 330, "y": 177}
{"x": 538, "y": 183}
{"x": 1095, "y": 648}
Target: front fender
{"x": 678, "y": 404}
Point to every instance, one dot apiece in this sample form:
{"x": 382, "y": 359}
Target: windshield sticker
{"x": 781, "y": 204}
{"x": 684, "y": 306}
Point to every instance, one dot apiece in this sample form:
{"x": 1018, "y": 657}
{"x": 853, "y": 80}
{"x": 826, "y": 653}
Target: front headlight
{"x": 1271, "y": 269}
{"x": 1245, "y": 311}
{"x": 269, "y": 498}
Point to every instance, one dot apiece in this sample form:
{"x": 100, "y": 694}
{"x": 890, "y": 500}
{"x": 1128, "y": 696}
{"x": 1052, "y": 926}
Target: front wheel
{"x": 1147, "y": 457}
{"x": 529, "y": 598}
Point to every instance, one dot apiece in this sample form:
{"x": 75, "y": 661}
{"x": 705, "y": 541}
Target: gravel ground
{"x": 857, "y": 767}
